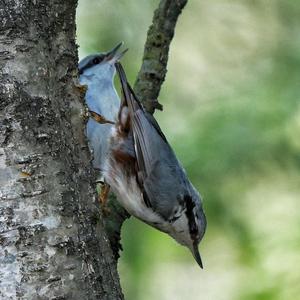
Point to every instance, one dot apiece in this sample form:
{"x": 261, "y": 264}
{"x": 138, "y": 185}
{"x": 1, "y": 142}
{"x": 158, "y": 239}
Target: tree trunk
{"x": 52, "y": 241}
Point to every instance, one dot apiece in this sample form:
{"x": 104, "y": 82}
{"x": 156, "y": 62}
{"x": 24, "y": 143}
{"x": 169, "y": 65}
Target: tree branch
{"x": 154, "y": 67}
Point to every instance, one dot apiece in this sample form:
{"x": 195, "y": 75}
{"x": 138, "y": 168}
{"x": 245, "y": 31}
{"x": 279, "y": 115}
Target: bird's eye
{"x": 96, "y": 60}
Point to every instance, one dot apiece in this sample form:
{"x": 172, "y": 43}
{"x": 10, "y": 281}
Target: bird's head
{"x": 189, "y": 225}
{"x": 100, "y": 66}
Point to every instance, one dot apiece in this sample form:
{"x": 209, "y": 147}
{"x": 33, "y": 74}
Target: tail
{"x": 129, "y": 99}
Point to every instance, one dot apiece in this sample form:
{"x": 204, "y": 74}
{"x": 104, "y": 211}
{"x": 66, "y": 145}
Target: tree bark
{"x": 52, "y": 241}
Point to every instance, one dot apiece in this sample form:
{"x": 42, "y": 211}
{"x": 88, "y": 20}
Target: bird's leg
{"x": 82, "y": 88}
{"x": 99, "y": 118}
{"x": 103, "y": 196}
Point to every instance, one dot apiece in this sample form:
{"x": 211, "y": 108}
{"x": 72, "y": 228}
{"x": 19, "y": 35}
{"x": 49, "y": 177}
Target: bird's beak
{"x": 113, "y": 56}
{"x": 196, "y": 254}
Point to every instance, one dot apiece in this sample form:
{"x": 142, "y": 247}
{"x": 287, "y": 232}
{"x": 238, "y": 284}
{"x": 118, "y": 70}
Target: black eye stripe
{"x": 87, "y": 66}
{"x": 96, "y": 61}
{"x": 193, "y": 228}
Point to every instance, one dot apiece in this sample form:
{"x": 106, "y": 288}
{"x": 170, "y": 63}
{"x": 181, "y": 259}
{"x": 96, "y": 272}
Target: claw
{"x": 99, "y": 119}
{"x": 82, "y": 88}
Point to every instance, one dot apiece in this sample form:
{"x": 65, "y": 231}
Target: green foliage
{"x": 232, "y": 114}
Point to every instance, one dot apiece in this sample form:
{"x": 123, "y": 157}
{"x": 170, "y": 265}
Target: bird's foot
{"x": 99, "y": 118}
{"x": 102, "y": 197}
{"x": 82, "y": 88}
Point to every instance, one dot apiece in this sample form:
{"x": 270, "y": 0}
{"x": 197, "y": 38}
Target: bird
{"x": 149, "y": 181}
{"x": 134, "y": 157}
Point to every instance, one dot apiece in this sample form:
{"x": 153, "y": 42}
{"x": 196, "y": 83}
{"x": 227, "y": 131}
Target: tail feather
{"x": 129, "y": 99}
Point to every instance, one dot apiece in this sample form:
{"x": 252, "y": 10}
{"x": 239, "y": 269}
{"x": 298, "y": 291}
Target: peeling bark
{"x": 52, "y": 241}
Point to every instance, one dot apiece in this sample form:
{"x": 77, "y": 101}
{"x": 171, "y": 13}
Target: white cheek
{"x": 180, "y": 230}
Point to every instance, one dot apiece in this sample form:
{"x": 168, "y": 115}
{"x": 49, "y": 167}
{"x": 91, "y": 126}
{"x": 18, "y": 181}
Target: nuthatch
{"x": 138, "y": 162}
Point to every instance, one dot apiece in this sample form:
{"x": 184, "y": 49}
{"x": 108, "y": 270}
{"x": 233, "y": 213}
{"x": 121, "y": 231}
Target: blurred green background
{"x": 232, "y": 114}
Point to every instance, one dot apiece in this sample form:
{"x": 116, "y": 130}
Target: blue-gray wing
{"x": 161, "y": 176}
